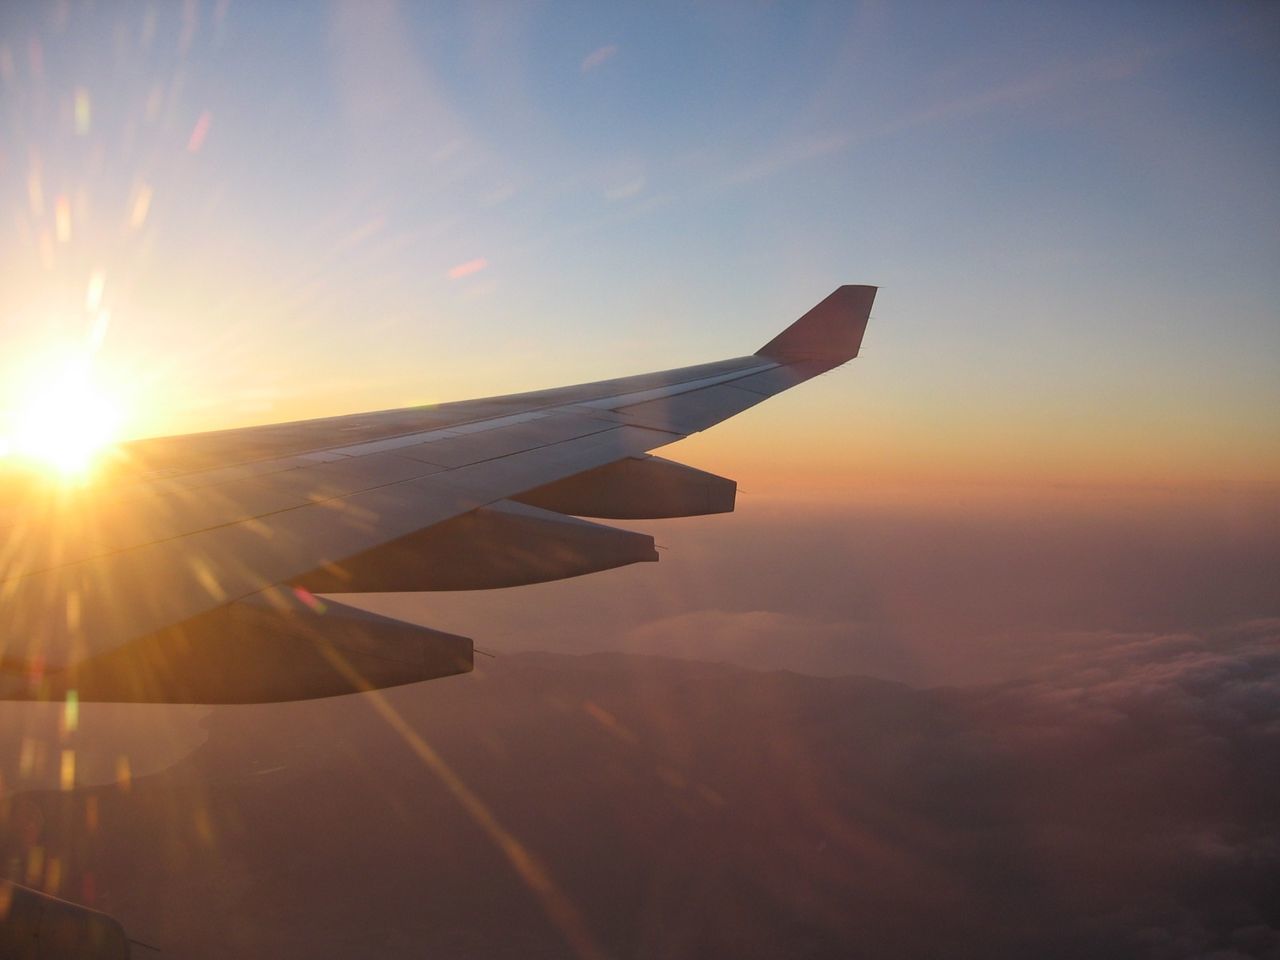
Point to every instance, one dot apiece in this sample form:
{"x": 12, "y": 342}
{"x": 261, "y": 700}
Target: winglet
{"x": 831, "y": 331}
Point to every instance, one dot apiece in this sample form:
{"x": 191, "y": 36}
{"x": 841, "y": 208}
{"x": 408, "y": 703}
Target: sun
{"x": 64, "y": 419}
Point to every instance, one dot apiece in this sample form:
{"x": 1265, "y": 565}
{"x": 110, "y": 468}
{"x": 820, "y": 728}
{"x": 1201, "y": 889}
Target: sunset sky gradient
{"x": 991, "y": 637}
{"x": 293, "y": 210}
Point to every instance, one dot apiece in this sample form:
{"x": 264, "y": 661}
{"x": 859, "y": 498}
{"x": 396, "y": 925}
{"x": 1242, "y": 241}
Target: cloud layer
{"x": 1121, "y": 802}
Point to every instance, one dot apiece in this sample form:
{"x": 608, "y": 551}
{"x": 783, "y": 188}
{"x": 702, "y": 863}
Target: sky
{"x": 247, "y": 213}
{"x": 1025, "y": 540}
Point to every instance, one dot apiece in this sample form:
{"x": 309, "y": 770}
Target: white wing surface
{"x": 189, "y": 572}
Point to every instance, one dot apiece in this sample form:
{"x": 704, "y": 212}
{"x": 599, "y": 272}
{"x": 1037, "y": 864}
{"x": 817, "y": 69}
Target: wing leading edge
{"x": 190, "y": 572}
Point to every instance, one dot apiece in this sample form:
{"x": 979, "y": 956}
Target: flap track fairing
{"x": 637, "y": 488}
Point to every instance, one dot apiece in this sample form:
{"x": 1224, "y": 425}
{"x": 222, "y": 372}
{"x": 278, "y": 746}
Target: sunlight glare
{"x": 65, "y": 419}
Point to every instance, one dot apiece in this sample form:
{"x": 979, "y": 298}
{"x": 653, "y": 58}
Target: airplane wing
{"x": 209, "y": 568}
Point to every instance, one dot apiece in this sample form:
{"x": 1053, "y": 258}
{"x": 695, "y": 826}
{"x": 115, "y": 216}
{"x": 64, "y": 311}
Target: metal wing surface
{"x": 190, "y": 571}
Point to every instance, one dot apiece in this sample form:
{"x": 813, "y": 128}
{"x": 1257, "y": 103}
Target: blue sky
{"x": 1072, "y": 210}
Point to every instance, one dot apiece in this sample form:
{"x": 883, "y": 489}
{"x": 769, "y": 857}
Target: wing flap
{"x": 270, "y": 647}
{"x": 505, "y": 544}
{"x": 637, "y": 488}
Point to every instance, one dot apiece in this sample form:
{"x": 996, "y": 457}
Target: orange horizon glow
{"x": 252, "y": 293}
{"x": 835, "y": 437}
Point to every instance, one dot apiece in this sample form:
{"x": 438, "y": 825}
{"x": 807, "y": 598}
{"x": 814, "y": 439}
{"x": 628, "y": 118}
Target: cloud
{"x": 1046, "y": 82}
{"x": 199, "y": 132}
{"x": 598, "y": 57}
{"x": 1120, "y": 802}
{"x": 760, "y": 639}
{"x": 1148, "y": 770}
{"x": 468, "y": 268}
{"x": 1042, "y": 84}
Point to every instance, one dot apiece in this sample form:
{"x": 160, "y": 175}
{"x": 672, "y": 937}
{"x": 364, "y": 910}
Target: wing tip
{"x": 832, "y": 331}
